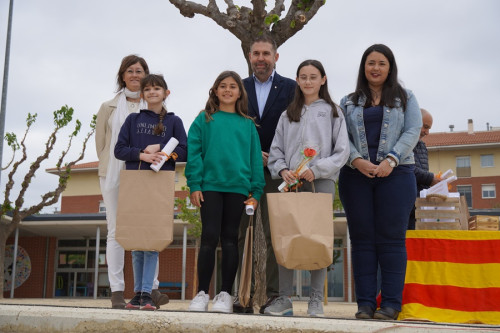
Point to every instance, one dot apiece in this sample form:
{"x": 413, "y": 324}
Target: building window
{"x": 466, "y": 191}
{"x": 102, "y": 207}
{"x": 463, "y": 166}
{"x": 489, "y": 191}
{"x": 487, "y": 161}
{"x": 76, "y": 266}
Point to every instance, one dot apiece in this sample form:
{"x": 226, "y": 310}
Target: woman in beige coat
{"x": 110, "y": 118}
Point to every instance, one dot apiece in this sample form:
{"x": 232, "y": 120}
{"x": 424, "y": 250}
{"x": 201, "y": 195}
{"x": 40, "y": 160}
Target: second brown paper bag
{"x": 301, "y": 229}
{"x": 246, "y": 267}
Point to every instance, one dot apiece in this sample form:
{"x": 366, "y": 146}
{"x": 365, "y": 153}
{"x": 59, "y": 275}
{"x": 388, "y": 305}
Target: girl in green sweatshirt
{"x": 224, "y": 172}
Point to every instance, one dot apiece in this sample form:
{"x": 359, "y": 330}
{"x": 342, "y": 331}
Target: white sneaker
{"x": 223, "y": 302}
{"x": 199, "y": 302}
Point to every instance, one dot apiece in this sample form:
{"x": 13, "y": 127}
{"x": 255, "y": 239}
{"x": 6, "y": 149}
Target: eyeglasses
{"x": 137, "y": 72}
{"x": 309, "y": 78}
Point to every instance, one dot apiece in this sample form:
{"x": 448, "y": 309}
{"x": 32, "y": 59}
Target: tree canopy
{"x": 248, "y": 23}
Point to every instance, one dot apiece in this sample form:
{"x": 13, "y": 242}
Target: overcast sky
{"x": 68, "y": 52}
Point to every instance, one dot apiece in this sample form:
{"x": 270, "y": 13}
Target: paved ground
{"x": 332, "y": 309}
{"x": 87, "y": 315}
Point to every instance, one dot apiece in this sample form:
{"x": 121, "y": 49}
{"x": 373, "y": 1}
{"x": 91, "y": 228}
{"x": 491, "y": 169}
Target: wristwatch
{"x": 392, "y": 163}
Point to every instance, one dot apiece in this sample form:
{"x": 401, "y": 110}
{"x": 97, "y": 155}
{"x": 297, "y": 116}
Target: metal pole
{"x": 5, "y": 80}
{"x": 184, "y": 245}
{"x": 14, "y": 264}
{"x": 349, "y": 267}
{"x": 97, "y": 246}
{"x": 45, "y": 267}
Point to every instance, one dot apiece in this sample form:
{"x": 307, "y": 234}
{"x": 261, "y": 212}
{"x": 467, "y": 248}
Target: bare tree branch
{"x": 279, "y": 7}
{"x": 248, "y": 23}
{"x": 6, "y": 206}
{"x": 61, "y": 119}
{"x": 298, "y": 15}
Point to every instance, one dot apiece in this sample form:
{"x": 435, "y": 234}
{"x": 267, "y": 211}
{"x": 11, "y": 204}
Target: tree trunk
{"x": 260, "y": 256}
{"x": 5, "y": 231}
{"x": 245, "y": 47}
{"x": 263, "y": 18}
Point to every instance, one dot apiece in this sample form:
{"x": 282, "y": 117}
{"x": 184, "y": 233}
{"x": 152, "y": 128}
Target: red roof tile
{"x": 88, "y": 165}
{"x": 461, "y": 138}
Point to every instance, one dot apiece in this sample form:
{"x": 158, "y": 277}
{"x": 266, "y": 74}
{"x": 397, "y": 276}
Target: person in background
{"x": 424, "y": 177}
{"x": 268, "y": 96}
{"x": 377, "y": 186}
{"x": 110, "y": 118}
{"x": 311, "y": 120}
{"x": 134, "y": 146}
{"x": 224, "y": 173}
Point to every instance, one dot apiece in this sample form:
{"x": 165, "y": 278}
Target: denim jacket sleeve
{"x": 410, "y": 131}
{"x": 353, "y": 151}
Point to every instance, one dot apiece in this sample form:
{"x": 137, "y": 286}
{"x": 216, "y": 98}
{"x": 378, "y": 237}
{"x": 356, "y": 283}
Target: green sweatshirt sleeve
{"x": 257, "y": 182}
{"x": 194, "y": 165}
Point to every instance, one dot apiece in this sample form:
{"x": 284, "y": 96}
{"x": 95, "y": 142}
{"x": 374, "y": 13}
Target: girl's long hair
{"x": 294, "y": 110}
{"x": 156, "y": 80}
{"x": 391, "y": 90}
{"x": 212, "y": 105}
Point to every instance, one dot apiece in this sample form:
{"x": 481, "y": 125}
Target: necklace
{"x": 375, "y": 98}
{"x": 131, "y": 104}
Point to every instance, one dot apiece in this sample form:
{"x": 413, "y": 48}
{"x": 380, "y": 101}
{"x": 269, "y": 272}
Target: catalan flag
{"x": 452, "y": 276}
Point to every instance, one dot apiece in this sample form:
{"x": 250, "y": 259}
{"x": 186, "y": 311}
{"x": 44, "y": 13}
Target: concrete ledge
{"x": 39, "y": 318}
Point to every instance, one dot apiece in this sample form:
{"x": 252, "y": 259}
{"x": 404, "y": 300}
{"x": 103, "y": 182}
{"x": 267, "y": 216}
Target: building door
{"x": 75, "y": 269}
{"x": 466, "y": 191}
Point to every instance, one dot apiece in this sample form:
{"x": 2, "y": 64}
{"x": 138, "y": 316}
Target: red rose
{"x": 309, "y": 152}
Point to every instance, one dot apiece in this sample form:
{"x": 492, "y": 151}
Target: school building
{"x": 61, "y": 257}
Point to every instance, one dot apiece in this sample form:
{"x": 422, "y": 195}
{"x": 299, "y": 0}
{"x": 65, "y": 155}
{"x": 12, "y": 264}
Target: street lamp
{"x": 5, "y": 82}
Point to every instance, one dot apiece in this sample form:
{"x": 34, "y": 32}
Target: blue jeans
{"x": 377, "y": 213}
{"x": 144, "y": 263}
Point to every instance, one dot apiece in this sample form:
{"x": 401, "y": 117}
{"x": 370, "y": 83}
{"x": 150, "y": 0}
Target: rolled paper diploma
{"x": 249, "y": 209}
{"x": 448, "y": 173}
{"x": 282, "y": 185}
{"x": 442, "y": 186}
{"x": 167, "y": 150}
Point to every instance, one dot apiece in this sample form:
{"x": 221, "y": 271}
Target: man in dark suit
{"x": 423, "y": 176}
{"x": 269, "y": 94}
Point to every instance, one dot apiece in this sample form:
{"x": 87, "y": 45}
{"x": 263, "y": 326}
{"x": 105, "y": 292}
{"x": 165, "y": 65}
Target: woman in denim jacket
{"x": 377, "y": 186}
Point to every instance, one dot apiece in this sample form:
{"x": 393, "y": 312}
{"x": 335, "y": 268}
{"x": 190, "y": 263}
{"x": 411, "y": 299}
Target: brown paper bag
{"x": 301, "y": 229}
{"x": 246, "y": 267}
{"x": 145, "y": 214}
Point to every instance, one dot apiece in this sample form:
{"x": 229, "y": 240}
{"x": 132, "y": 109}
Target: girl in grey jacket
{"x": 311, "y": 121}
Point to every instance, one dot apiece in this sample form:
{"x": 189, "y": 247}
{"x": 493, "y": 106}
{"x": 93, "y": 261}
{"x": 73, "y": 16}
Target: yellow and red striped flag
{"x": 452, "y": 276}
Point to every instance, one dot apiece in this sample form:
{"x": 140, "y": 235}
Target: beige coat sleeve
{"x": 103, "y": 134}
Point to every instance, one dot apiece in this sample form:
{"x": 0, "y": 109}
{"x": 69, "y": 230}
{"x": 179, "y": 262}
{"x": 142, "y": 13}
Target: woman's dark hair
{"x": 294, "y": 110}
{"x": 212, "y": 105}
{"x": 126, "y": 63}
{"x": 156, "y": 80}
{"x": 391, "y": 89}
